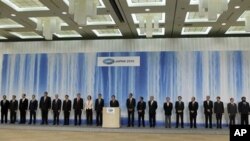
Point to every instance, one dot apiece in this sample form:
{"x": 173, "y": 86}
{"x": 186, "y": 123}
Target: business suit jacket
{"x": 23, "y": 105}
{"x": 99, "y": 105}
{"x": 33, "y": 105}
{"x": 179, "y": 106}
{"x": 56, "y": 106}
{"x": 208, "y": 106}
{"x": 131, "y": 104}
{"x": 45, "y": 105}
{"x": 141, "y": 106}
{"x": 218, "y": 107}
{"x": 168, "y": 108}
{"x": 243, "y": 108}
{"x": 67, "y": 106}
{"x": 193, "y": 107}
{"x": 78, "y": 106}
{"x": 114, "y": 103}
{"x": 13, "y": 105}
{"x": 152, "y": 107}
{"x": 4, "y": 106}
{"x": 232, "y": 108}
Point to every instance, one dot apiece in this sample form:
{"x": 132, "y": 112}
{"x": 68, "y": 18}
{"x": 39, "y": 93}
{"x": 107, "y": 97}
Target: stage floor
{"x": 71, "y": 133}
{"x": 94, "y": 129}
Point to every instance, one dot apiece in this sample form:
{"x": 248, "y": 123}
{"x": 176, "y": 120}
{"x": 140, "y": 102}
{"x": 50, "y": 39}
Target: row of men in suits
{"x": 210, "y": 107}
{"x": 46, "y": 104}
{"x": 78, "y": 105}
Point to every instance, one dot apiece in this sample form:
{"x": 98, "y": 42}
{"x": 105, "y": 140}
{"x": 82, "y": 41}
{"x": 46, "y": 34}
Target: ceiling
{"x": 119, "y": 19}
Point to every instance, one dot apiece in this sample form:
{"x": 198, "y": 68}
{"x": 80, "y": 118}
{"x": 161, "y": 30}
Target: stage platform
{"x": 147, "y": 130}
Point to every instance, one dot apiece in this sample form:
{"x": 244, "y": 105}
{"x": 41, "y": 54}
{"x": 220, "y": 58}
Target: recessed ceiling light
{"x": 147, "y": 9}
{"x": 64, "y": 13}
{"x": 13, "y": 15}
{"x": 237, "y": 7}
{"x": 223, "y": 24}
{"x": 80, "y": 27}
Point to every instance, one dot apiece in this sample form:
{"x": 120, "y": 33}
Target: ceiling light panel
{"x": 67, "y": 34}
{"x": 100, "y": 5}
{"x": 244, "y": 15}
{"x": 158, "y": 31}
{"x": 8, "y": 23}
{"x": 196, "y": 2}
{"x": 159, "y": 16}
{"x": 197, "y": 17}
{"x": 35, "y": 19}
{"x": 237, "y": 30}
{"x": 107, "y": 32}
{"x": 26, "y": 35}
{"x": 100, "y": 20}
{"x": 195, "y": 30}
{"x": 2, "y": 38}
{"x": 141, "y": 3}
{"x": 26, "y": 5}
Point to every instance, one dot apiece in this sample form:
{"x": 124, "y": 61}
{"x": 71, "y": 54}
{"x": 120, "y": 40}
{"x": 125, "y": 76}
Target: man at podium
{"x": 114, "y": 102}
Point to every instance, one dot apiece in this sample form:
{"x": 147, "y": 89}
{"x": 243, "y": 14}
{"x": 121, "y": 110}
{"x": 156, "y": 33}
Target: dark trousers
{"x": 56, "y": 117}
{"x": 89, "y": 116}
{"x": 152, "y": 119}
{"x": 244, "y": 119}
{"x": 78, "y": 114}
{"x": 44, "y": 116}
{"x": 179, "y": 116}
{"x": 32, "y": 116}
{"x": 99, "y": 118}
{"x": 4, "y": 116}
{"x": 12, "y": 116}
{"x": 167, "y": 121}
{"x": 66, "y": 117}
{"x": 193, "y": 120}
{"x": 232, "y": 119}
{"x": 22, "y": 116}
{"x": 131, "y": 115}
{"x": 141, "y": 119}
{"x": 218, "y": 120}
{"x": 208, "y": 117}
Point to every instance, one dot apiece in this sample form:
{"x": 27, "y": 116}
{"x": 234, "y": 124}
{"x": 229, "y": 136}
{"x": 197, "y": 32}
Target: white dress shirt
{"x": 88, "y": 104}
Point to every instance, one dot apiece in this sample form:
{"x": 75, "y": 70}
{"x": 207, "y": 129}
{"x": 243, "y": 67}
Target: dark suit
{"x": 208, "y": 111}
{"x": 23, "y": 107}
{"x": 152, "y": 112}
{"x": 66, "y": 110}
{"x": 99, "y": 104}
{"x": 131, "y": 110}
{"x": 141, "y": 106}
{"x": 33, "y": 108}
{"x": 13, "y": 105}
{"x": 232, "y": 111}
{"x": 218, "y": 110}
{"x": 45, "y": 106}
{"x": 193, "y": 107}
{"x": 114, "y": 103}
{"x": 179, "y": 107}
{"x": 168, "y": 107}
{"x": 56, "y": 107}
{"x": 4, "y": 111}
{"x": 78, "y": 107}
{"x": 244, "y": 110}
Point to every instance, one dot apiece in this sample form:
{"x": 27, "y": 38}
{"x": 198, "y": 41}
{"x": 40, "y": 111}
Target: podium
{"x": 111, "y": 117}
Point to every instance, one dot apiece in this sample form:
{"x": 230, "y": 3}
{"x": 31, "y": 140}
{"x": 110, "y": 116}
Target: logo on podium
{"x": 110, "y": 110}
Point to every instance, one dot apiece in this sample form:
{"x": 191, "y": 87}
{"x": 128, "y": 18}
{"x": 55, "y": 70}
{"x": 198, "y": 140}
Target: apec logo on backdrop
{"x": 239, "y": 132}
{"x": 118, "y": 61}
{"x": 108, "y": 61}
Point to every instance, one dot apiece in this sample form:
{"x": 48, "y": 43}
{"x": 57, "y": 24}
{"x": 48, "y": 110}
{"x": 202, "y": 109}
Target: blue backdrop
{"x": 160, "y": 74}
